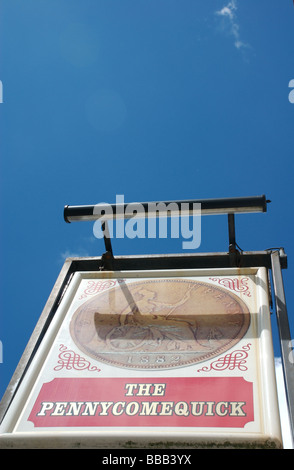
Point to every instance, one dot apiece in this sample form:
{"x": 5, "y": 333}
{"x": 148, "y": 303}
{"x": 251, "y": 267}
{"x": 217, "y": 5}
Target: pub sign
{"x": 152, "y": 359}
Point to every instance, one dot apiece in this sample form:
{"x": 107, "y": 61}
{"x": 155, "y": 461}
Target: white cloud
{"x": 228, "y": 10}
{"x": 230, "y": 23}
{"x": 70, "y": 254}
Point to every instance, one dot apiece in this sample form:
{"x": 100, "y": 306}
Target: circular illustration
{"x": 159, "y": 323}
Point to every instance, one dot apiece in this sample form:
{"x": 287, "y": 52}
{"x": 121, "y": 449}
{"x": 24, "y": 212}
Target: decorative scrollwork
{"x": 94, "y": 287}
{"x": 234, "y": 360}
{"x": 236, "y": 284}
{"x": 69, "y": 360}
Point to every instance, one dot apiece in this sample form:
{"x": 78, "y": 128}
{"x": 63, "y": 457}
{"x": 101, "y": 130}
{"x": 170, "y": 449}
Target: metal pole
{"x": 232, "y": 235}
{"x": 106, "y": 236}
{"x": 165, "y": 208}
{"x": 285, "y": 335}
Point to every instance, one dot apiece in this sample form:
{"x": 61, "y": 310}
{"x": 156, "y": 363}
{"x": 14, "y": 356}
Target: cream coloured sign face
{"x": 150, "y": 357}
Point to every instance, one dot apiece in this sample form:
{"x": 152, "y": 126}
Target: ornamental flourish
{"x": 95, "y": 287}
{"x": 69, "y": 360}
{"x": 234, "y": 360}
{"x": 236, "y": 284}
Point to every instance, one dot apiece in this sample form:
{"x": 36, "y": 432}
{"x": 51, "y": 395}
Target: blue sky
{"x": 155, "y": 100}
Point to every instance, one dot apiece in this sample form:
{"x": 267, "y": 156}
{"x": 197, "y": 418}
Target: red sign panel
{"x": 181, "y": 402}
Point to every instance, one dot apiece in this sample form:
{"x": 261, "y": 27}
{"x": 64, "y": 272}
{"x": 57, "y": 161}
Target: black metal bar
{"x": 107, "y": 239}
{"x": 232, "y": 234}
{"x": 180, "y": 261}
{"x": 285, "y": 334}
{"x": 158, "y": 208}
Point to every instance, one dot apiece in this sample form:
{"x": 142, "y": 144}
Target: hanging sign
{"x": 153, "y": 359}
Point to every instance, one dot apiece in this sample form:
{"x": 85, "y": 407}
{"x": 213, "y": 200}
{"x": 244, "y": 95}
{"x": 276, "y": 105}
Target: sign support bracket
{"x": 232, "y": 234}
{"x": 107, "y": 257}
